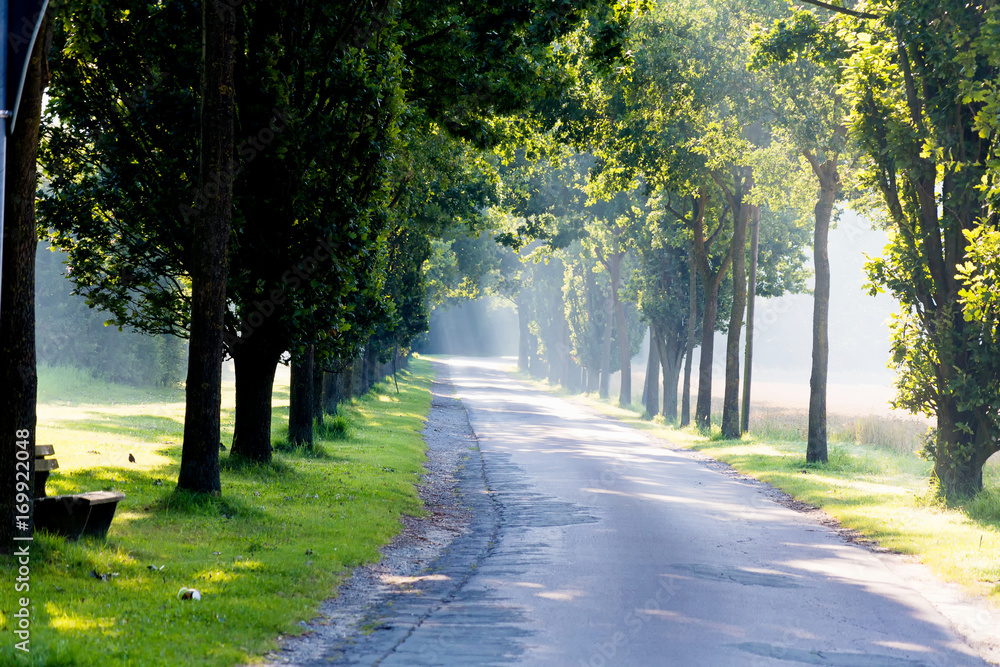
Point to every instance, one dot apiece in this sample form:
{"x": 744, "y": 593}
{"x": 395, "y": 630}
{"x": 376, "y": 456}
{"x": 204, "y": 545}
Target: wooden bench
{"x": 73, "y": 515}
{"x": 77, "y": 515}
{"x": 43, "y": 466}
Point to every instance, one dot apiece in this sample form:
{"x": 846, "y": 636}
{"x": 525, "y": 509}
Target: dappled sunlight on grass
{"x": 66, "y": 621}
{"x": 264, "y": 554}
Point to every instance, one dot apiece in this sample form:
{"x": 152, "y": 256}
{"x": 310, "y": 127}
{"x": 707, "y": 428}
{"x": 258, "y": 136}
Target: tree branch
{"x": 842, "y": 10}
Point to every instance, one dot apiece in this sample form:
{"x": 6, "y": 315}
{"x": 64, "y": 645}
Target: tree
{"x": 661, "y": 289}
{"x": 319, "y": 91}
{"x": 609, "y": 237}
{"x": 801, "y": 59}
{"x": 918, "y": 80}
{"x": 309, "y": 191}
{"x": 210, "y": 257}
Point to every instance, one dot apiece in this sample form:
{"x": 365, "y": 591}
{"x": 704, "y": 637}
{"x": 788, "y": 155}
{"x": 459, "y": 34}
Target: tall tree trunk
{"x": 363, "y": 385}
{"x": 17, "y": 326}
{"x": 731, "y": 400}
{"x": 816, "y": 451}
{"x": 523, "y": 333}
{"x": 574, "y": 376}
{"x": 301, "y": 398}
{"x": 959, "y": 469}
{"x": 751, "y": 300}
{"x": 319, "y": 393}
{"x": 703, "y": 410}
{"x": 255, "y": 365}
{"x": 624, "y": 355}
{"x": 651, "y": 389}
{"x": 333, "y": 387}
{"x": 609, "y": 314}
{"x": 692, "y": 327}
{"x": 210, "y": 257}
{"x": 711, "y": 281}
{"x": 348, "y": 381}
{"x": 371, "y": 365}
{"x": 671, "y": 362}
{"x": 570, "y": 371}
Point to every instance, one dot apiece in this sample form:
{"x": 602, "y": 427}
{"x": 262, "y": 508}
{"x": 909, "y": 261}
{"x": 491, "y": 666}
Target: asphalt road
{"x": 596, "y": 545}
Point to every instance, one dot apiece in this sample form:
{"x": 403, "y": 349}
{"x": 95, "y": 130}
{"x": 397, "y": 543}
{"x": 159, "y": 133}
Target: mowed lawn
{"x": 263, "y": 556}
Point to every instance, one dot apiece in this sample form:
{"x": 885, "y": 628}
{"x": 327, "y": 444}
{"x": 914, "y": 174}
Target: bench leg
{"x": 41, "y": 476}
{"x": 99, "y": 520}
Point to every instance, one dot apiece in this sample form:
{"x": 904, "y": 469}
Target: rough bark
{"x": 319, "y": 393}
{"x": 703, "y": 410}
{"x": 301, "y": 398}
{"x": 199, "y": 470}
{"x": 333, "y": 387}
{"x": 751, "y": 300}
{"x": 347, "y": 379}
{"x": 624, "y": 355}
{"x": 651, "y": 388}
{"x": 609, "y": 314}
{"x": 17, "y": 329}
{"x": 692, "y": 326}
{"x": 255, "y": 365}
{"x": 371, "y": 365}
{"x": 816, "y": 450}
{"x": 731, "y": 398}
{"x": 671, "y": 362}
{"x": 711, "y": 280}
{"x": 524, "y": 334}
{"x": 358, "y": 377}
{"x": 570, "y": 370}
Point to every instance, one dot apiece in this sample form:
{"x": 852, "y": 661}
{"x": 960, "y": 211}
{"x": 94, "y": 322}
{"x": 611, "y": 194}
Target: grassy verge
{"x": 874, "y": 483}
{"x": 263, "y": 556}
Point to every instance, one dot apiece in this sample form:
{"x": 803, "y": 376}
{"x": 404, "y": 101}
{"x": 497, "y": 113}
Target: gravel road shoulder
{"x": 380, "y": 604}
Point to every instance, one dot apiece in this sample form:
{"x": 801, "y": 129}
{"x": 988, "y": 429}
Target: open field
{"x": 859, "y": 413}
{"x": 263, "y": 556}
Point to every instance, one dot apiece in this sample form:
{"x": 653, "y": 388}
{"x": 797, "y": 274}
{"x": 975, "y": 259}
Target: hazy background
{"x": 860, "y": 382}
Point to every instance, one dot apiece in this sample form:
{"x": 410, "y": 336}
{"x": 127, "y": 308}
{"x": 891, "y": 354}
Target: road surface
{"x": 596, "y": 545}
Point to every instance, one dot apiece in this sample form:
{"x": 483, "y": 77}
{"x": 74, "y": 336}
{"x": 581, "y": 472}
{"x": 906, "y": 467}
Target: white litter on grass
{"x": 189, "y": 594}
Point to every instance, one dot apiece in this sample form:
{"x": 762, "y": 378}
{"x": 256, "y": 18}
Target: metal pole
{"x": 4, "y": 114}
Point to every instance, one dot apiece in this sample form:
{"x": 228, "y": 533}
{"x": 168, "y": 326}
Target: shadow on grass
{"x": 274, "y": 470}
{"x": 187, "y": 503}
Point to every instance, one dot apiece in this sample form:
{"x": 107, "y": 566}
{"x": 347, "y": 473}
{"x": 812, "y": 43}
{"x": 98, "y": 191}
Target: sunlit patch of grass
{"x": 264, "y": 554}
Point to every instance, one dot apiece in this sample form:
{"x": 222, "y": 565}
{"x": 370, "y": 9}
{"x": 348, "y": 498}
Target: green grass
{"x": 874, "y": 483}
{"x": 264, "y": 555}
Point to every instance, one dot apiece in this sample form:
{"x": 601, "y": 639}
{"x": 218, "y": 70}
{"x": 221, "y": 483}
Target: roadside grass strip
{"x": 263, "y": 556}
{"x": 883, "y": 491}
